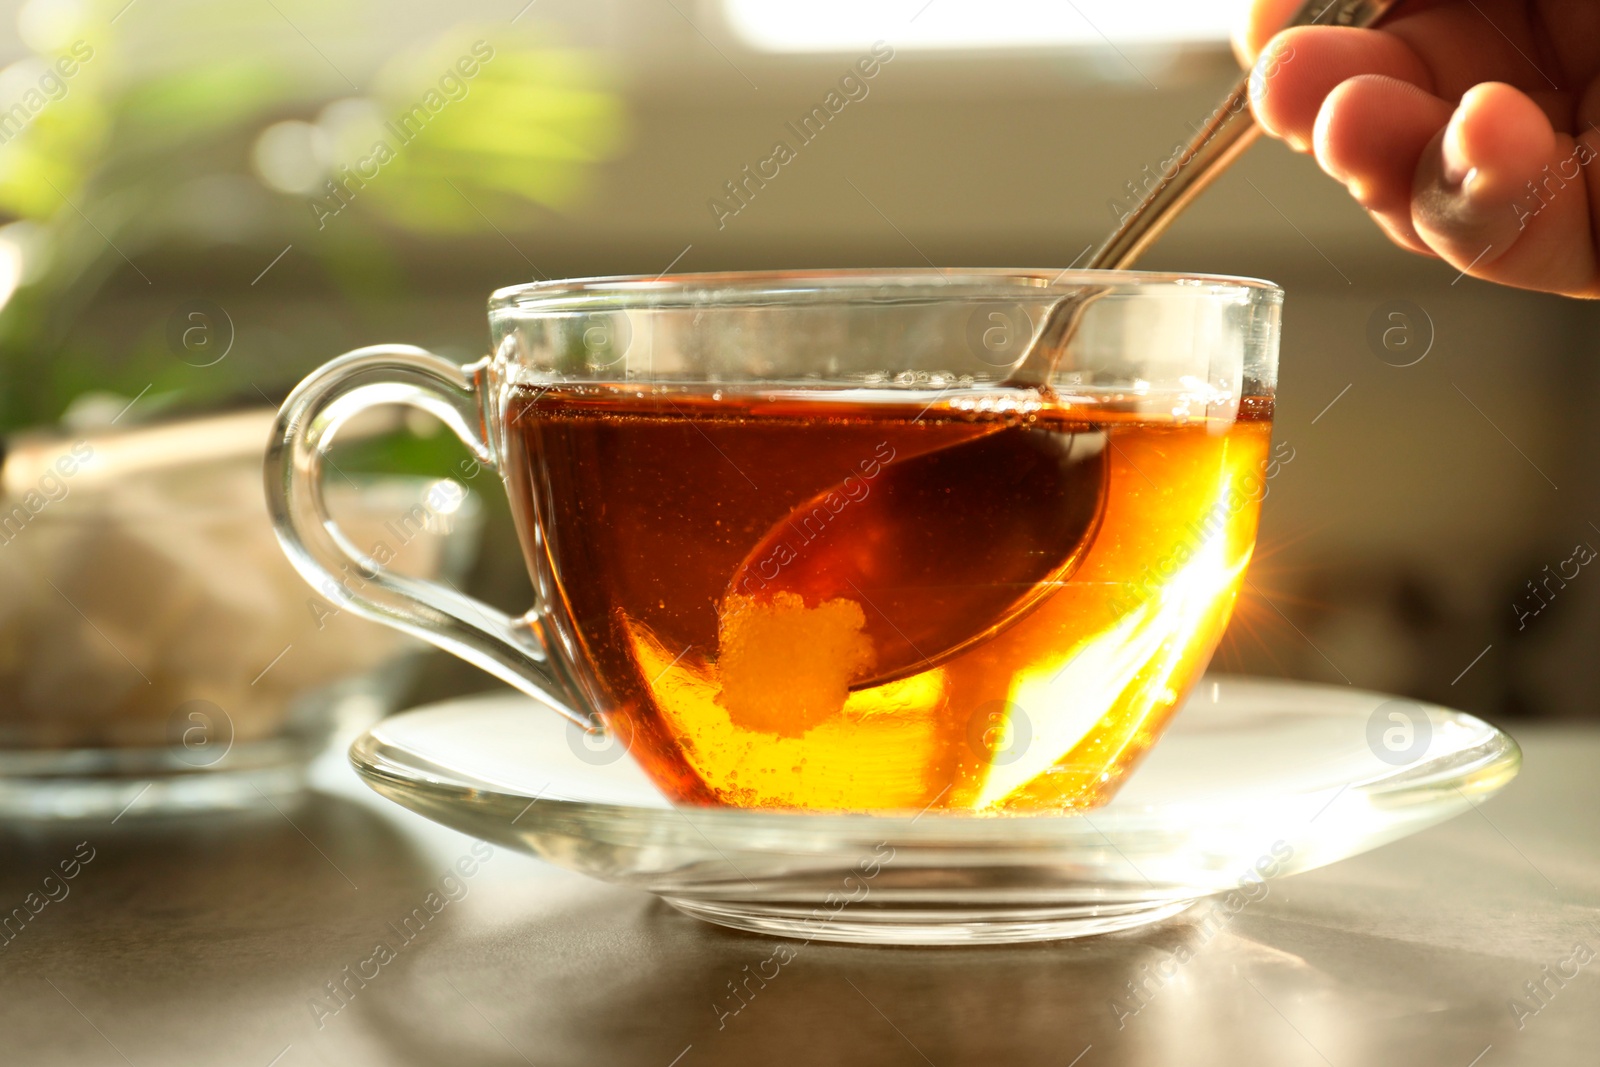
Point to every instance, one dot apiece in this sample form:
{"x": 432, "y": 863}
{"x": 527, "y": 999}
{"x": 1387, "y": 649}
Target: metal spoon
{"x": 909, "y": 553}
{"x": 1224, "y": 137}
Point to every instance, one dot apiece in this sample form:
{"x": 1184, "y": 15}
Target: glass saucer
{"x": 1255, "y": 779}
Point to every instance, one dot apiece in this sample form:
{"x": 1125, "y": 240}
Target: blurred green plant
{"x": 186, "y": 125}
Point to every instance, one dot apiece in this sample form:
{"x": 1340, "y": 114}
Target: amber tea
{"x": 718, "y": 559}
{"x": 802, "y": 543}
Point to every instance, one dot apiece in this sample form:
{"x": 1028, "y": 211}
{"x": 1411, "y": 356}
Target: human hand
{"x": 1466, "y": 128}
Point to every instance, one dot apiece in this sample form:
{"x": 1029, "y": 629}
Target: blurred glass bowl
{"x": 157, "y": 651}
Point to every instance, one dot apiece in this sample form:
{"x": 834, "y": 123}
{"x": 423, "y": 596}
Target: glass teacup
{"x": 798, "y": 544}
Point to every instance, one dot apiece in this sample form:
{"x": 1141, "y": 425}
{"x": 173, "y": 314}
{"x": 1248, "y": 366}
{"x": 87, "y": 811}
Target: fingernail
{"x": 1455, "y": 168}
{"x": 1449, "y": 208}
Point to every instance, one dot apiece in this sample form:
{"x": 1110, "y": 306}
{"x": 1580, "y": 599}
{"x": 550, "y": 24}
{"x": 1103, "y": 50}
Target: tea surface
{"x": 651, "y": 519}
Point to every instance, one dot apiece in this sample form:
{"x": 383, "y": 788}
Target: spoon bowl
{"x": 925, "y": 562}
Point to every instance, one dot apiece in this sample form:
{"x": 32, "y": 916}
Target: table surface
{"x": 211, "y": 941}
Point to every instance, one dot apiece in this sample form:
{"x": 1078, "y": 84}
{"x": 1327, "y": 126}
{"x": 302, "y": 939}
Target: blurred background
{"x": 200, "y": 212}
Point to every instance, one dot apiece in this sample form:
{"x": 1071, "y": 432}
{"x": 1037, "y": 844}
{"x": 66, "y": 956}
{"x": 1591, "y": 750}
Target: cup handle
{"x": 512, "y": 649}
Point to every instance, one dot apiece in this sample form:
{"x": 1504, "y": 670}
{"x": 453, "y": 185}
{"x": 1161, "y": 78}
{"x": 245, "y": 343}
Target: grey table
{"x": 213, "y": 942}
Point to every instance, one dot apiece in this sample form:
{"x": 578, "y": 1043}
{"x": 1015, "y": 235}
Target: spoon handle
{"x": 1228, "y": 132}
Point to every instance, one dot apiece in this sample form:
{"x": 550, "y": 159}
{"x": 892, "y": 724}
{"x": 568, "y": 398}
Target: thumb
{"x": 1501, "y": 196}
{"x": 1260, "y": 25}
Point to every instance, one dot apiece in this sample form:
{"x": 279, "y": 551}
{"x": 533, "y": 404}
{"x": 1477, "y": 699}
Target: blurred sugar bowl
{"x": 157, "y": 650}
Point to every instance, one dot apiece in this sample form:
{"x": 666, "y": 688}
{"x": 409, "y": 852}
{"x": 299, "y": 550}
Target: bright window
{"x": 853, "y": 25}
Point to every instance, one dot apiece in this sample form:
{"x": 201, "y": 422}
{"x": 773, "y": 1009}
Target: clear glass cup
{"x": 744, "y": 497}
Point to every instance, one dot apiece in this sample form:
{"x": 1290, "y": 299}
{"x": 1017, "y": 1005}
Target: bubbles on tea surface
{"x": 1399, "y": 732}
